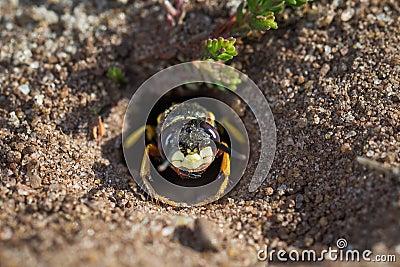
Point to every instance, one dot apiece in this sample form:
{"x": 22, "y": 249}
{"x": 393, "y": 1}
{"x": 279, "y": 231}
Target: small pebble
{"x": 6, "y": 234}
{"x": 323, "y": 221}
{"x": 308, "y": 241}
{"x": 299, "y": 198}
{"x": 316, "y": 119}
{"x": 300, "y": 79}
{"x": 280, "y": 217}
{"x": 377, "y": 82}
{"x": 167, "y": 231}
{"x": 182, "y": 220}
{"x": 281, "y": 189}
{"x": 90, "y": 232}
{"x": 347, "y": 14}
{"x": 269, "y": 191}
{"x": 34, "y": 65}
{"x": 14, "y": 156}
{"x": 345, "y": 148}
{"x": 327, "y": 20}
{"x": 24, "y": 190}
{"x": 43, "y": 14}
{"x": 36, "y": 181}
{"x": 24, "y": 89}
{"x": 14, "y": 119}
{"x": 39, "y": 99}
{"x": 302, "y": 123}
{"x": 9, "y": 26}
{"x": 324, "y": 70}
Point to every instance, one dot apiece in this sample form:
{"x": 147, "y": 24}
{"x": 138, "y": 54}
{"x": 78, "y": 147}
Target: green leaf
{"x": 252, "y": 4}
{"x": 220, "y": 49}
{"x": 297, "y": 3}
{"x": 264, "y": 23}
{"x": 291, "y": 2}
{"x": 239, "y": 12}
{"x": 214, "y": 47}
{"x": 224, "y": 57}
{"x": 116, "y": 75}
{"x": 275, "y": 6}
{"x": 260, "y": 13}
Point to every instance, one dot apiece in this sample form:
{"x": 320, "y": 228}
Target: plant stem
{"x": 226, "y": 26}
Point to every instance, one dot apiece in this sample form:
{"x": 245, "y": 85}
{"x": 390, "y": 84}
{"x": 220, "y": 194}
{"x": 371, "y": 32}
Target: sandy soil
{"x": 331, "y": 74}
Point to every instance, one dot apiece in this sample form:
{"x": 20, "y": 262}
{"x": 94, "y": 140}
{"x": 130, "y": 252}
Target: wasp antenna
{"x": 163, "y": 166}
{"x": 223, "y": 147}
{"x": 233, "y": 153}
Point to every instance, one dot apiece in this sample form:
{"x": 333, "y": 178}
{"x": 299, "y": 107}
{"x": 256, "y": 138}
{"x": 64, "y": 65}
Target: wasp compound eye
{"x": 187, "y": 156}
{"x": 210, "y": 130}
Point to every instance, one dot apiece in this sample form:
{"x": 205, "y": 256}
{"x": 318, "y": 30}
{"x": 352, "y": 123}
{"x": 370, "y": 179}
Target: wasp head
{"x": 196, "y": 148}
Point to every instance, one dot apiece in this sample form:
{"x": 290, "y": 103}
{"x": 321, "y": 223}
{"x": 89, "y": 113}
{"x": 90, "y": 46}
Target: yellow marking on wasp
{"x": 226, "y": 169}
{"x": 191, "y": 152}
{"x": 211, "y": 118}
{"x": 226, "y": 164}
{"x": 159, "y": 118}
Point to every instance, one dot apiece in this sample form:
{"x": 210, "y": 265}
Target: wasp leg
{"x": 152, "y": 150}
{"x": 226, "y": 171}
{"x": 145, "y": 167}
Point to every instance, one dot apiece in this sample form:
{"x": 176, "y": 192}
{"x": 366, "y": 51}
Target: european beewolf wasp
{"x": 185, "y": 140}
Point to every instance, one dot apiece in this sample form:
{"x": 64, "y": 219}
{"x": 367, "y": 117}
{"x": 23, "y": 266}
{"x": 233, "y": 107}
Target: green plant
{"x": 251, "y": 15}
{"x": 220, "y": 49}
{"x": 116, "y": 75}
{"x": 260, "y": 14}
